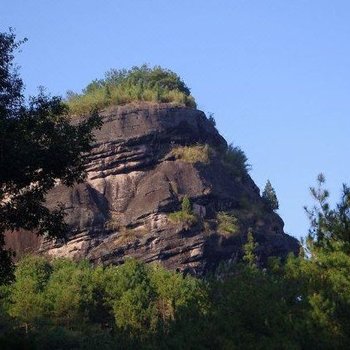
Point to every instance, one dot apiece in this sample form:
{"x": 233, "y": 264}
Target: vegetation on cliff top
{"x": 123, "y": 86}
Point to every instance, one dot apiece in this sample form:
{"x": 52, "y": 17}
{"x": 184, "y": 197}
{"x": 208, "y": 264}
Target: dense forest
{"x": 300, "y": 303}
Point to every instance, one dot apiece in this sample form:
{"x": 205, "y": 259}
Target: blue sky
{"x": 276, "y": 74}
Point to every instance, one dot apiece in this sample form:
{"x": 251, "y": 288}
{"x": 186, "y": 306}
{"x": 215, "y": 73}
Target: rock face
{"x": 134, "y": 182}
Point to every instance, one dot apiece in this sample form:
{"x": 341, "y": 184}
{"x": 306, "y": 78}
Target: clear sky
{"x": 276, "y": 74}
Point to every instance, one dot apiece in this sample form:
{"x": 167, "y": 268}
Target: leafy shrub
{"x": 184, "y": 218}
{"x": 211, "y": 119}
{"x": 193, "y": 154}
{"x": 235, "y": 161}
{"x": 124, "y": 86}
{"x": 185, "y": 215}
{"x": 227, "y": 224}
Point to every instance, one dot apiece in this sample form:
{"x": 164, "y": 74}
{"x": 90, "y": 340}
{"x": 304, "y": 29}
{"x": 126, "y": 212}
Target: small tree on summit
{"x": 269, "y": 196}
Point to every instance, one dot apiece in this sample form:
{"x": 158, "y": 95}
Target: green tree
{"x": 269, "y": 196}
{"x": 329, "y": 225}
{"x": 321, "y": 278}
{"x": 186, "y": 206}
{"x": 38, "y": 147}
{"x": 69, "y": 293}
{"x": 249, "y": 250}
{"x": 27, "y": 301}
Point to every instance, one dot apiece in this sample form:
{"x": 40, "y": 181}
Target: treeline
{"x": 302, "y": 303}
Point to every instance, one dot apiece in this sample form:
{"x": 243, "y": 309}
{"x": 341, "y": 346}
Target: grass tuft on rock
{"x": 193, "y": 154}
{"x": 180, "y": 217}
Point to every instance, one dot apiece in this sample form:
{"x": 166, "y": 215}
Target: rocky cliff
{"x": 137, "y": 177}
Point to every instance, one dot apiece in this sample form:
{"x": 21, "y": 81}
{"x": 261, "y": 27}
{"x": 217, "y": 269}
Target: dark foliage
{"x": 269, "y": 196}
{"x": 303, "y": 303}
{"x": 38, "y": 147}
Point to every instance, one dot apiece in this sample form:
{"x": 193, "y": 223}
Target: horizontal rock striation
{"x": 134, "y": 182}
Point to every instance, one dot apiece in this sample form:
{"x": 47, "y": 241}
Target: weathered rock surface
{"x": 134, "y": 182}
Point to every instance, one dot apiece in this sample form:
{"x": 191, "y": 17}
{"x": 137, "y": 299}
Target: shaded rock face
{"x": 134, "y": 182}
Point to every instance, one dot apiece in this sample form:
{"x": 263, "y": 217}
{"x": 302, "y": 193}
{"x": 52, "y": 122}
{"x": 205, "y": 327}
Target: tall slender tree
{"x": 270, "y": 197}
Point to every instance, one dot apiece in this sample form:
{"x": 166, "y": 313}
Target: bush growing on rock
{"x": 227, "y": 224}
{"x": 211, "y": 119}
{"x": 185, "y": 215}
{"x": 142, "y": 83}
{"x": 236, "y": 161}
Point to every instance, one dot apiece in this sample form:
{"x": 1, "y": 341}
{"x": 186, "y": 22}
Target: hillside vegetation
{"x": 302, "y": 303}
{"x": 123, "y": 86}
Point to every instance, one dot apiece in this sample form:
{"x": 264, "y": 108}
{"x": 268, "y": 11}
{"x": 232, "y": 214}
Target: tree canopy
{"x": 328, "y": 224}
